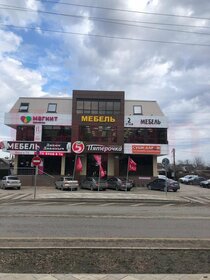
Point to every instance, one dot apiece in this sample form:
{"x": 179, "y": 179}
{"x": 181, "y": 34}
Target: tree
{"x": 198, "y": 163}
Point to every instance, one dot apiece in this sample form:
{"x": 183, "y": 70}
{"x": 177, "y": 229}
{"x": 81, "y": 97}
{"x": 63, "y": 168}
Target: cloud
{"x": 10, "y": 13}
{"x": 176, "y": 75}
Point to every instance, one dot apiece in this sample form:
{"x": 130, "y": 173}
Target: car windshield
{"x": 13, "y": 178}
{"x": 68, "y": 178}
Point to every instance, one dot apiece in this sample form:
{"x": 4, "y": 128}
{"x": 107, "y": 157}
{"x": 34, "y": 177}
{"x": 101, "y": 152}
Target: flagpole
{"x": 75, "y": 161}
{"x": 126, "y": 182}
{"x": 99, "y": 171}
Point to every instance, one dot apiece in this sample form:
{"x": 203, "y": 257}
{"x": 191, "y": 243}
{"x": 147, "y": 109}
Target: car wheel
{"x": 117, "y": 188}
{"x": 175, "y": 190}
{"x": 18, "y": 188}
{"x": 91, "y": 187}
{"x": 149, "y": 187}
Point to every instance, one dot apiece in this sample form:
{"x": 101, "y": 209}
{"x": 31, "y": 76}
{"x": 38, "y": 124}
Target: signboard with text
{"x": 27, "y": 146}
{"x": 146, "y": 149}
{"x": 145, "y": 121}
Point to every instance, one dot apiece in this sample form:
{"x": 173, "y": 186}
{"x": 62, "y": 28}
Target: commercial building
{"x": 89, "y": 123}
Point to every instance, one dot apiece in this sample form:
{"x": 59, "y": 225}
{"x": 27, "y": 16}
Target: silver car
{"x": 65, "y": 183}
{"x": 11, "y": 181}
{"x": 92, "y": 184}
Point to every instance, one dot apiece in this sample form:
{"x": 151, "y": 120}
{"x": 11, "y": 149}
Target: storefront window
{"x": 146, "y": 135}
{"x": 25, "y": 133}
{"x": 56, "y": 133}
{"x": 102, "y": 133}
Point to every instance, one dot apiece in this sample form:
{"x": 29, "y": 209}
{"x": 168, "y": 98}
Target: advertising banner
{"x": 26, "y": 147}
{"x": 146, "y": 149}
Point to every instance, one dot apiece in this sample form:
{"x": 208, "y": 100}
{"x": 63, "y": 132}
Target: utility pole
{"x": 174, "y": 162}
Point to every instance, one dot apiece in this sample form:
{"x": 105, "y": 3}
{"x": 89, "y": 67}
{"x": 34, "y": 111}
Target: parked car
{"x": 197, "y": 180}
{"x": 160, "y": 184}
{"x": 118, "y": 184}
{"x": 205, "y": 184}
{"x": 92, "y": 183}
{"x": 187, "y": 179}
{"x": 10, "y": 182}
{"x": 66, "y": 183}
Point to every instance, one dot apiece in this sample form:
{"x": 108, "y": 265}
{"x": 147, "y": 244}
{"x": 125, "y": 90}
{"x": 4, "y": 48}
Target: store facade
{"x": 88, "y": 124}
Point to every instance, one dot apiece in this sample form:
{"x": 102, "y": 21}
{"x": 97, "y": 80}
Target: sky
{"x": 151, "y": 49}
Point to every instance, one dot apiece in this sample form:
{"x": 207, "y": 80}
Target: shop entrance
{"x": 52, "y": 165}
{"x": 93, "y": 167}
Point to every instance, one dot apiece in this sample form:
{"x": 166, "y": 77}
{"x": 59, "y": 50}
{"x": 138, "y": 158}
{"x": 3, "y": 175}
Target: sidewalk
{"x": 111, "y": 196}
{"x": 104, "y": 276}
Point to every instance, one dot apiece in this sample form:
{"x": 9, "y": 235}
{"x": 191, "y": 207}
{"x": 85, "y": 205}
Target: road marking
{"x": 95, "y": 216}
{"x": 167, "y": 205}
{"x": 13, "y": 196}
{"x": 200, "y": 200}
{"x": 78, "y": 203}
{"x": 107, "y": 204}
{"x": 21, "y": 196}
{"x": 137, "y": 204}
{"x": 9, "y": 196}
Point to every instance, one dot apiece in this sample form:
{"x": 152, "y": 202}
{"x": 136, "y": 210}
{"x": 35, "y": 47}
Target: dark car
{"x": 161, "y": 183}
{"x": 197, "y": 180}
{"x": 118, "y": 184}
{"x": 92, "y": 183}
{"x": 205, "y": 184}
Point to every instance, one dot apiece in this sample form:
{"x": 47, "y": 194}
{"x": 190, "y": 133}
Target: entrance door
{"x": 92, "y": 165}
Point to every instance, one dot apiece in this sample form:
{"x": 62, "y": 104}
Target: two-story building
{"x": 89, "y": 123}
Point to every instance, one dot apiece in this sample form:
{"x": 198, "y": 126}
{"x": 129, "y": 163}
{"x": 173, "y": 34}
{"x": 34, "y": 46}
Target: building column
{"x": 84, "y": 165}
{"x": 155, "y": 170}
{"x": 63, "y": 164}
{"x": 110, "y": 165}
{"x": 15, "y": 170}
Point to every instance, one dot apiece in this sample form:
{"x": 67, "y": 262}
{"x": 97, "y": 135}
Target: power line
{"x": 109, "y": 20}
{"x": 112, "y": 21}
{"x": 123, "y": 10}
{"x": 107, "y": 37}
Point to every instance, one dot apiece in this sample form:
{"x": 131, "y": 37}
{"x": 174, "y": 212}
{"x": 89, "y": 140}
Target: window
{"x": 25, "y": 133}
{"x": 98, "y": 107}
{"x": 137, "y": 110}
{"x": 56, "y": 133}
{"x": 87, "y": 107}
{"x": 24, "y": 107}
{"x": 52, "y": 107}
{"x": 146, "y": 135}
{"x": 102, "y": 133}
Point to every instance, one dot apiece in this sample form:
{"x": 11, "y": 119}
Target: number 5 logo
{"x": 78, "y": 147}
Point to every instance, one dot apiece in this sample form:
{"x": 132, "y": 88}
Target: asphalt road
{"x": 21, "y": 218}
{"x": 66, "y": 219}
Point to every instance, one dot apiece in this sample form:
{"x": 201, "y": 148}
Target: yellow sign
{"x": 100, "y": 119}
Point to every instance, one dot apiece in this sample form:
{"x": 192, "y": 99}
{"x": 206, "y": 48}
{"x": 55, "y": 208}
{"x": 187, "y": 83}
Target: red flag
{"x": 78, "y": 165}
{"x": 131, "y": 165}
{"x": 101, "y": 170}
{"x": 98, "y": 159}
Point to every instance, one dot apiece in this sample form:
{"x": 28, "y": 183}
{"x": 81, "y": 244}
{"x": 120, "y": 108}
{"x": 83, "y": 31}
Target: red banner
{"x": 131, "y": 165}
{"x": 78, "y": 166}
{"x": 101, "y": 170}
